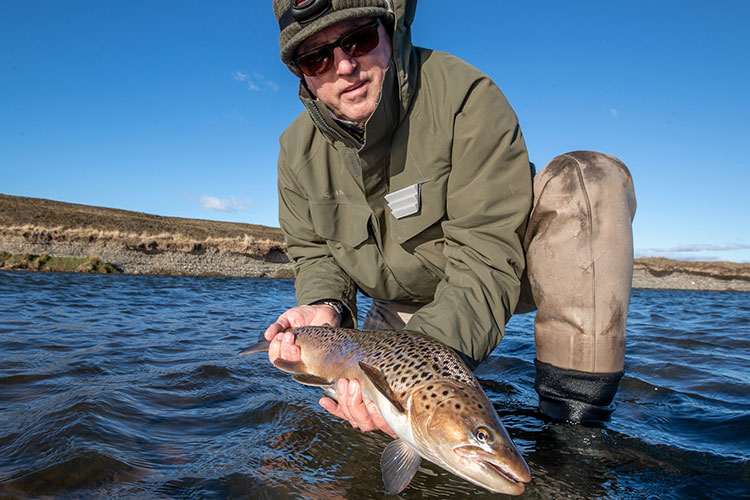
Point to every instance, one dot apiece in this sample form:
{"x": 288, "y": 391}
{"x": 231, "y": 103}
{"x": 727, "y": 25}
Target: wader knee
{"x": 579, "y": 250}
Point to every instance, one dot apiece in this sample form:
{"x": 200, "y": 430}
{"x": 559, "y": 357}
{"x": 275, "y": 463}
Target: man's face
{"x": 351, "y": 87}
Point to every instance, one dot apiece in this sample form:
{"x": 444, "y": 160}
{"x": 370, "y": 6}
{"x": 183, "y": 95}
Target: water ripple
{"x": 130, "y": 387}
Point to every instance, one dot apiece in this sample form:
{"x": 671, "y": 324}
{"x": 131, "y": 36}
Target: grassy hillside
{"x": 37, "y": 220}
{"x": 18, "y": 211}
{"x": 659, "y": 267}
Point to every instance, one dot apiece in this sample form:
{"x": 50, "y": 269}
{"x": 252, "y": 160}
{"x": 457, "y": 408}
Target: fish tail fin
{"x": 281, "y": 364}
{"x": 261, "y": 346}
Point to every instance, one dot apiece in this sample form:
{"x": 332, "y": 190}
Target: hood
{"x": 404, "y": 56}
{"x": 396, "y": 94}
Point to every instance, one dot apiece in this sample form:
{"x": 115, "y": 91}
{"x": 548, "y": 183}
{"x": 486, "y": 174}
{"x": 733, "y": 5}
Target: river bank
{"x": 137, "y": 243}
{"x": 660, "y": 273}
{"x": 33, "y": 231}
{"x": 202, "y": 262}
{"x": 649, "y": 273}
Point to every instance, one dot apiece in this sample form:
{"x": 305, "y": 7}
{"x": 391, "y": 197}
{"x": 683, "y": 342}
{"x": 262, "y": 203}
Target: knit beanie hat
{"x": 300, "y": 19}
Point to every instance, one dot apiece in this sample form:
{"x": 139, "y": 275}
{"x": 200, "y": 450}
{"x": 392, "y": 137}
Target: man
{"x": 407, "y": 178}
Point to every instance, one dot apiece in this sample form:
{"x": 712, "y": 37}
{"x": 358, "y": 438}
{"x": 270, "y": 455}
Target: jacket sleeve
{"x": 487, "y": 204}
{"x": 317, "y": 276}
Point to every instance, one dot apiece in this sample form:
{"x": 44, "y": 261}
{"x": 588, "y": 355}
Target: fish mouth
{"x": 512, "y": 469}
{"x": 501, "y": 469}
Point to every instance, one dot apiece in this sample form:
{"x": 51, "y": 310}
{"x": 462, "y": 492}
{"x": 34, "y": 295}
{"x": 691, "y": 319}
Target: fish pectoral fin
{"x": 314, "y": 380}
{"x": 398, "y": 464}
{"x": 381, "y": 384}
{"x": 259, "y": 347}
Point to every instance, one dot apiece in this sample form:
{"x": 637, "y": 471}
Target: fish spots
{"x": 406, "y": 359}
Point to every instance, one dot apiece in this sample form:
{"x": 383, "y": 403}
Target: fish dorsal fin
{"x": 314, "y": 380}
{"x": 381, "y": 384}
{"x": 398, "y": 464}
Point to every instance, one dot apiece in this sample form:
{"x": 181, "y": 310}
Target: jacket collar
{"x": 377, "y": 127}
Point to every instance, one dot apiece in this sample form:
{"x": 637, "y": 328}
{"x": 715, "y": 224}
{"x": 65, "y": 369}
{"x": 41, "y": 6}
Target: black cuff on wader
{"x": 575, "y": 396}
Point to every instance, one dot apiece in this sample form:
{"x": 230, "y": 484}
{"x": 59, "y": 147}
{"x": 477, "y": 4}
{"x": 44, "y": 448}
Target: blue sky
{"x": 174, "y": 107}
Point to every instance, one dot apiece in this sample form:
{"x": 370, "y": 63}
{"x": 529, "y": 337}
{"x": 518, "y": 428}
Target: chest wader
{"x": 579, "y": 255}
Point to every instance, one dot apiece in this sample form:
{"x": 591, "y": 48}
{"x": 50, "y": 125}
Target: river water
{"x": 131, "y": 387}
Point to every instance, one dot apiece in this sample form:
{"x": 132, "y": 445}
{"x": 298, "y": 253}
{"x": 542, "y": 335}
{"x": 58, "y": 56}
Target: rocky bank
{"x": 138, "y": 243}
{"x": 203, "y": 262}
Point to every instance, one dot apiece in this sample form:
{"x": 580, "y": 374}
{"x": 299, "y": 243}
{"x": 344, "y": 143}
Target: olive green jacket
{"x": 445, "y": 126}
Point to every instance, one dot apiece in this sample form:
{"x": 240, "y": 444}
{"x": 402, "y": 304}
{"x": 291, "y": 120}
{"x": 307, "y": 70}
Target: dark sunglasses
{"x": 356, "y": 43}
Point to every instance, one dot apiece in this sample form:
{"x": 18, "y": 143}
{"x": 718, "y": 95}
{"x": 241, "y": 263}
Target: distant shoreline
{"x": 137, "y": 243}
{"x": 661, "y": 273}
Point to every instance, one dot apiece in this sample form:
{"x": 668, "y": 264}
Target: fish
{"x": 426, "y": 394}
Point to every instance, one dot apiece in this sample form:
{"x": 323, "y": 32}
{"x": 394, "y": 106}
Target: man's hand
{"x": 282, "y": 342}
{"x": 361, "y": 414}
{"x": 316, "y": 315}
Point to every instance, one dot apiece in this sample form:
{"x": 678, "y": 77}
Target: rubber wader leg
{"x": 579, "y": 250}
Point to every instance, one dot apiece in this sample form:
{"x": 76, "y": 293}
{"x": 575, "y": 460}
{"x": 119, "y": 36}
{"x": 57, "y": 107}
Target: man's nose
{"x": 343, "y": 62}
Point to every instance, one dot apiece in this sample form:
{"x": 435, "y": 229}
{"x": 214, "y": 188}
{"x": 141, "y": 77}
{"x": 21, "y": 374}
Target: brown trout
{"x": 427, "y": 395}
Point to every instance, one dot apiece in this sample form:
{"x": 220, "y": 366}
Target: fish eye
{"x": 482, "y": 434}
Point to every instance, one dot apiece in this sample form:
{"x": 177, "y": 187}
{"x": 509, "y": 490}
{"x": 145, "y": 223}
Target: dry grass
{"x": 45, "y": 221}
{"x": 37, "y": 212}
{"x": 659, "y": 266}
{"x": 40, "y": 221}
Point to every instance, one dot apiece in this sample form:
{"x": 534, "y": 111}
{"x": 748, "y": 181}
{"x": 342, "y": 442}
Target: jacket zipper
{"x": 318, "y": 119}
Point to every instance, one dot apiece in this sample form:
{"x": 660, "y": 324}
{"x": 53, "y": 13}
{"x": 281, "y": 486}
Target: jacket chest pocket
{"x": 432, "y": 210}
{"x": 340, "y": 223}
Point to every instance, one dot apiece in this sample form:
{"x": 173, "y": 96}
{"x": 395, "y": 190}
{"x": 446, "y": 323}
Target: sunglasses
{"x": 356, "y": 43}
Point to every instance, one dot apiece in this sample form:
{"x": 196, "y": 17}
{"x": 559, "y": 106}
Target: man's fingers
{"x": 279, "y": 326}
{"x": 342, "y": 391}
{"x": 289, "y": 350}
{"x": 272, "y": 331}
{"x": 331, "y": 406}
{"x": 357, "y": 409}
{"x": 274, "y": 349}
{"x": 360, "y": 414}
{"x": 378, "y": 419}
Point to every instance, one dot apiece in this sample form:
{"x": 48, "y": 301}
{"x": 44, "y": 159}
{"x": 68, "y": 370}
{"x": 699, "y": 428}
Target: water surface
{"x": 131, "y": 387}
